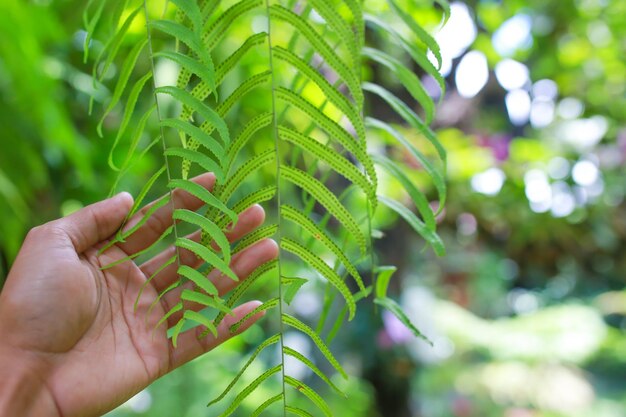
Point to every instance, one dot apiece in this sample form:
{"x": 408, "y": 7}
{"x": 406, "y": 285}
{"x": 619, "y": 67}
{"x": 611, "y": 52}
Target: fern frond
{"x": 305, "y": 134}
{"x": 112, "y": 47}
{"x": 409, "y": 116}
{"x": 333, "y": 95}
{"x": 431, "y": 237}
{"x": 298, "y": 325}
{"x": 435, "y": 174}
{"x": 420, "y": 57}
{"x": 128, "y": 113}
{"x": 418, "y": 31}
{"x": 326, "y": 198}
{"x": 197, "y": 278}
{"x": 325, "y": 50}
{"x": 291, "y": 286}
{"x": 298, "y": 217}
{"x": 258, "y": 235}
{"x": 310, "y": 394}
{"x": 297, "y": 411}
{"x": 211, "y": 117}
{"x": 129, "y": 64}
{"x": 204, "y": 195}
{"x": 416, "y": 195}
{"x": 251, "y": 387}
{"x": 248, "y": 168}
{"x": 327, "y": 272}
{"x": 331, "y": 127}
{"x": 269, "y": 304}
{"x": 198, "y": 158}
{"x": 218, "y": 29}
{"x": 294, "y": 353}
{"x": 207, "y": 255}
{"x": 397, "y": 311}
{"x": 266, "y": 404}
{"x": 331, "y": 157}
{"x": 267, "y": 342}
{"x": 241, "y": 289}
{"x": 198, "y": 135}
{"x": 408, "y": 79}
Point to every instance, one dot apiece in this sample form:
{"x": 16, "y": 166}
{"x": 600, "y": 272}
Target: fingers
{"x": 242, "y": 264}
{"x": 247, "y": 222}
{"x": 161, "y": 219}
{"x": 190, "y": 347}
{"x": 95, "y": 223}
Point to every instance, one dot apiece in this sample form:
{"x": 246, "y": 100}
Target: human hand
{"x": 71, "y": 343}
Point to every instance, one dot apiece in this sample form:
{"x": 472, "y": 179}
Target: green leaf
{"x": 201, "y": 320}
{"x": 268, "y": 342}
{"x": 409, "y": 116}
{"x": 382, "y": 279}
{"x": 112, "y": 47}
{"x": 310, "y": 393}
{"x": 203, "y": 138}
{"x": 292, "y": 285}
{"x": 297, "y": 411}
{"x": 127, "y": 68}
{"x": 129, "y": 110}
{"x": 431, "y": 237}
{"x": 238, "y": 292}
{"x": 331, "y": 157}
{"x": 333, "y": 129}
{"x": 178, "y": 307}
{"x": 189, "y": 38}
{"x": 249, "y": 167}
{"x": 204, "y": 195}
{"x": 251, "y": 387}
{"x": 297, "y": 324}
{"x": 266, "y": 404}
{"x": 419, "y": 56}
{"x": 205, "y": 300}
{"x": 327, "y": 199}
{"x": 437, "y": 177}
{"x": 333, "y": 95}
{"x": 176, "y": 332}
{"x": 207, "y": 255}
{"x": 419, "y": 32}
{"x": 208, "y": 227}
{"x": 299, "y": 218}
{"x": 197, "y": 278}
{"x": 212, "y": 35}
{"x": 198, "y": 158}
{"x": 289, "y": 351}
{"x": 416, "y": 195}
{"x": 269, "y": 304}
{"x": 406, "y": 77}
{"x": 327, "y": 272}
{"x": 210, "y": 115}
{"x": 258, "y": 235}
{"x": 190, "y": 64}
{"x": 192, "y": 11}
{"x": 165, "y": 264}
{"x": 397, "y": 311}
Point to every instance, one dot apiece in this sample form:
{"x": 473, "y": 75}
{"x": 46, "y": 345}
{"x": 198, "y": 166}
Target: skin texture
{"x": 71, "y": 343}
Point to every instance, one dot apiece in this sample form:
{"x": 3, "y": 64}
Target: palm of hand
{"x": 78, "y": 321}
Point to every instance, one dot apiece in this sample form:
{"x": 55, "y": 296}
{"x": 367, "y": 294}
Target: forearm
{"x": 22, "y": 389}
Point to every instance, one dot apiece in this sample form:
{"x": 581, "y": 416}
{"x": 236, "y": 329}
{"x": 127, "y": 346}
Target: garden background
{"x": 526, "y": 311}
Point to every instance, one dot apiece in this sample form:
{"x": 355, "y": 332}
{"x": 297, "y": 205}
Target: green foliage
{"x": 290, "y": 135}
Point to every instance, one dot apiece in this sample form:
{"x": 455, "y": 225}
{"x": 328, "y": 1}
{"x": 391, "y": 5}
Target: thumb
{"x": 95, "y": 223}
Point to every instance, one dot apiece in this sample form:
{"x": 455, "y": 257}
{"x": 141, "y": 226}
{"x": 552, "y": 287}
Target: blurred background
{"x": 527, "y": 310}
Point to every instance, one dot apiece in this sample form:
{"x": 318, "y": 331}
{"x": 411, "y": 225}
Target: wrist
{"x": 23, "y": 391}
